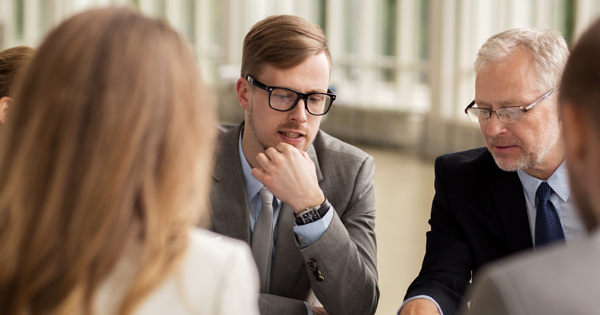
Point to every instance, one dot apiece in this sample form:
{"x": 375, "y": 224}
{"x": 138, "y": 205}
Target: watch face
{"x": 311, "y": 216}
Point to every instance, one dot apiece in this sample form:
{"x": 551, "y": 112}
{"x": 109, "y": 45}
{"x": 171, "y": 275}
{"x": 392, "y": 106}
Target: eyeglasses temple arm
{"x": 540, "y": 99}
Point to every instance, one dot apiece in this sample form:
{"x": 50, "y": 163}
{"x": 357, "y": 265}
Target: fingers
{"x": 288, "y": 149}
{"x": 282, "y": 147}
{"x": 259, "y": 174}
{"x": 271, "y": 153}
{"x": 279, "y": 154}
{"x": 263, "y": 160}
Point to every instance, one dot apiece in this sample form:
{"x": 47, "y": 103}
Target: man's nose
{"x": 298, "y": 114}
{"x": 495, "y": 126}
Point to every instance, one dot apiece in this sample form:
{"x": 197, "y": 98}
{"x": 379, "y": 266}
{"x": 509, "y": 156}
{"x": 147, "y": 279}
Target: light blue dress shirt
{"x": 307, "y": 234}
{"x": 567, "y": 211}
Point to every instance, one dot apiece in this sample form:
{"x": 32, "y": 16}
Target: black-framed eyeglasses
{"x": 507, "y": 115}
{"x": 283, "y": 99}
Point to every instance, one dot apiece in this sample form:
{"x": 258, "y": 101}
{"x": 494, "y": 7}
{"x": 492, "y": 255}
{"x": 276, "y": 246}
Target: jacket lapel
{"x": 509, "y": 200}
{"x": 312, "y": 153}
{"x": 228, "y": 196}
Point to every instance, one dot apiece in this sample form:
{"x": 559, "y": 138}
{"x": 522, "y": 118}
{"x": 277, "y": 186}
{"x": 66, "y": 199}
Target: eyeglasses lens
{"x": 282, "y": 99}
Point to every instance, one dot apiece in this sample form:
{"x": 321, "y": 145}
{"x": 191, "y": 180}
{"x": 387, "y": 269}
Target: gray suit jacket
{"x": 345, "y": 255}
{"x": 558, "y": 280}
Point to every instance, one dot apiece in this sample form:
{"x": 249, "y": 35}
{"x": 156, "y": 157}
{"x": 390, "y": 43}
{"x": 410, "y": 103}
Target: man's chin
{"x": 300, "y": 146}
{"x": 509, "y": 165}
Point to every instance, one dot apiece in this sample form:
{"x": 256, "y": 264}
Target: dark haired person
{"x": 12, "y": 62}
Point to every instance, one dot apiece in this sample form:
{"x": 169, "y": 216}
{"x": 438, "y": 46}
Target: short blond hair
{"x": 283, "y": 41}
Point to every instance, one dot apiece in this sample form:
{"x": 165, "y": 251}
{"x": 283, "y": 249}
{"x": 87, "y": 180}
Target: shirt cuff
{"x": 427, "y": 297}
{"x": 310, "y": 233}
{"x": 308, "y": 309}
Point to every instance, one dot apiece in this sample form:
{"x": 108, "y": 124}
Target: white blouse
{"x": 217, "y": 276}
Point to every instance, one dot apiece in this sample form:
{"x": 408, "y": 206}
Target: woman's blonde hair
{"x": 110, "y": 144}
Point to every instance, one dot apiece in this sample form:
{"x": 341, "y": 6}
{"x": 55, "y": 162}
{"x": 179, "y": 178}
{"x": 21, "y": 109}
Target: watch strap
{"x": 314, "y": 214}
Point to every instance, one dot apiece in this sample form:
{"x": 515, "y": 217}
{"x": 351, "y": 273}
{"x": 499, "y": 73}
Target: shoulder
{"x": 211, "y": 257}
{"x": 467, "y": 157}
{"x": 206, "y": 247}
{"x": 202, "y": 282}
{"x": 555, "y": 277}
{"x": 558, "y": 263}
{"x": 330, "y": 147}
{"x": 225, "y": 129}
{"x": 474, "y": 160}
{"x": 212, "y": 263}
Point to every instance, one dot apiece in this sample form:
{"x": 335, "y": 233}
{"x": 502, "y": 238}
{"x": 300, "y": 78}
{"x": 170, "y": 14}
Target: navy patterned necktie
{"x": 548, "y": 229}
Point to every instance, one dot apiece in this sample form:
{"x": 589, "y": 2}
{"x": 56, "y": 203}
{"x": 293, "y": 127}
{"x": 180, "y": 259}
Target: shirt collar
{"x": 558, "y": 181}
{"x": 253, "y": 185}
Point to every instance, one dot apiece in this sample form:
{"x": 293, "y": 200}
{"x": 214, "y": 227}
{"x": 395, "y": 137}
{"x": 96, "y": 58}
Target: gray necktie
{"x": 262, "y": 239}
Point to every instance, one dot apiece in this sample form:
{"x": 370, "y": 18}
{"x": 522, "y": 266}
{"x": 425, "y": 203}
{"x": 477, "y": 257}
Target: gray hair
{"x": 547, "y": 47}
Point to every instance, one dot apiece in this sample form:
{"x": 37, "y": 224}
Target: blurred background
{"x": 402, "y": 70}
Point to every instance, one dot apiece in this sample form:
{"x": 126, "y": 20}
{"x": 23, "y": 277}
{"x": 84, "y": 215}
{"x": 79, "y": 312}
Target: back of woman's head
{"x": 109, "y": 146}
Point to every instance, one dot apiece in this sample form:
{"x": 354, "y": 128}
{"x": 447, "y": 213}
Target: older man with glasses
{"x": 512, "y": 195}
{"x": 302, "y": 199}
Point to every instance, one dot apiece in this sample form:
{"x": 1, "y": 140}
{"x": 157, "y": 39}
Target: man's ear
{"x": 241, "y": 88}
{"x": 5, "y": 103}
{"x": 576, "y": 132}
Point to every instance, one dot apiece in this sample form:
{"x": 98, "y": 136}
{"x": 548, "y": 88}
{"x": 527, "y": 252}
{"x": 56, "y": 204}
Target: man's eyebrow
{"x": 501, "y": 103}
{"x": 312, "y": 90}
{"x": 317, "y": 90}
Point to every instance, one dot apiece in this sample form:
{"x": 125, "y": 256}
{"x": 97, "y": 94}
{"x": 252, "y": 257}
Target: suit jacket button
{"x": 318, "y": 275}
{"x": 312, "y": 264}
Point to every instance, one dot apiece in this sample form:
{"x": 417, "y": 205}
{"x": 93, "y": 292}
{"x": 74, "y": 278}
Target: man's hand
{"x": 318, "y": 310}
{"x": 290, "y": 175}
{"x": 419, "y": 307}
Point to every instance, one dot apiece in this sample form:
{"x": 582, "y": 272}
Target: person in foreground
{"x": 12, "y": 62}
{"x": 302, "y": 199}
{"x": 564, "y": 279}
{"x": 512, "y": 195}
{"x": 103, "y": 167}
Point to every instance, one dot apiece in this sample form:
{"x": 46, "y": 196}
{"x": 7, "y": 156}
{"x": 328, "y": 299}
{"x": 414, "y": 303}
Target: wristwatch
{"x": 312, "y": 214}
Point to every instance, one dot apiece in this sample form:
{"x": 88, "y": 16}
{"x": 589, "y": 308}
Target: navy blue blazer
{"x": 478, "y": 215}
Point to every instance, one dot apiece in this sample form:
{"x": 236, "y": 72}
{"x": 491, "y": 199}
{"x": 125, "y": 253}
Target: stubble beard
{"x": 537, "y": 153}
{"x": 262, "y": 139}
{"x": 252, "y": 124}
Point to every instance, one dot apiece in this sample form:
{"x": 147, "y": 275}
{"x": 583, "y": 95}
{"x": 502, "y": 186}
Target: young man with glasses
{"x": 303, "y": 200}
{"x": 513, "y": 194}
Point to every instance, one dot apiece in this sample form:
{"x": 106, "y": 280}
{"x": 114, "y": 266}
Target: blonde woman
{"x": 103, "y": 169}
